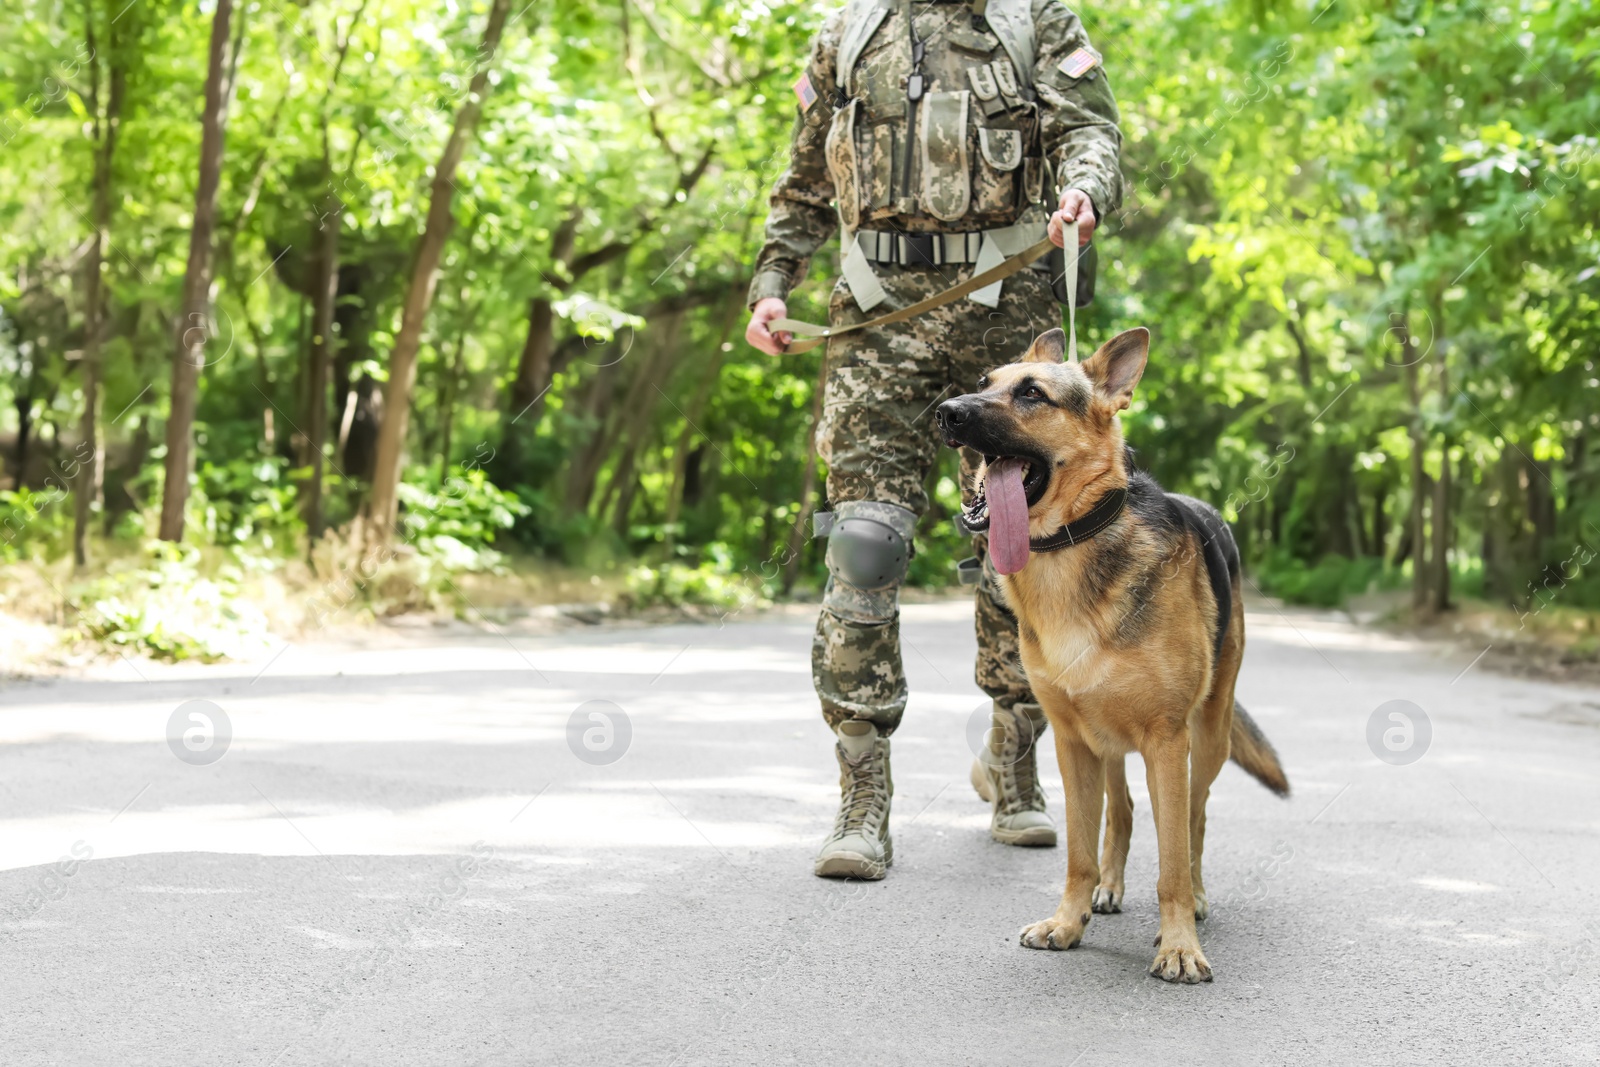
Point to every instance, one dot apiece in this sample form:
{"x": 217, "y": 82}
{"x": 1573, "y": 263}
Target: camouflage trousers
{"x": 880, "y": 441}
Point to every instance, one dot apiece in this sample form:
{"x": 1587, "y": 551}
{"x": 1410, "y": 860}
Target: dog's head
{"x": 1057, "y": 419}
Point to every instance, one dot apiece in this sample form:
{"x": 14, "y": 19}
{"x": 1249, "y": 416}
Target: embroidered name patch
{"x": 805, "y": 92}
{"x": 1079, "y": 63}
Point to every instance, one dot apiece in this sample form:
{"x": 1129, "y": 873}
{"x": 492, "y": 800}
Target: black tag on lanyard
{"x": 915, "y": 85}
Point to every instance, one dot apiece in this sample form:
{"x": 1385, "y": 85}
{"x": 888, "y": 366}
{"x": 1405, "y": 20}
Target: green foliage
{"x": 1327, "y": 583}
{"x": 33, "y": 521}
{"x": 247, "y": 499}
{"x": 711, "y": 584}
{"x": 455, "y": 525}
{"x": 166, "y": 604}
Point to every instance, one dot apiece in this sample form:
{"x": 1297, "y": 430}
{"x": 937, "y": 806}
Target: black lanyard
{"x": 916, "y": 87}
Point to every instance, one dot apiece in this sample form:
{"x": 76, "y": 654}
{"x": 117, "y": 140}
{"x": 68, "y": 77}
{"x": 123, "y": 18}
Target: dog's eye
{"x": 983, "y": 382}
{"x": 1033, "y": 392}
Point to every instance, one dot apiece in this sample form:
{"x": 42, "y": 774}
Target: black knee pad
{"x": 869, "y": 552}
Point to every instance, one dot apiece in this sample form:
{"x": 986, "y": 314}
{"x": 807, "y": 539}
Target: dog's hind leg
{"x": 1208, "y": 751}
{"x": 1119, "y": 832}
{"x": 1082, "y": 773}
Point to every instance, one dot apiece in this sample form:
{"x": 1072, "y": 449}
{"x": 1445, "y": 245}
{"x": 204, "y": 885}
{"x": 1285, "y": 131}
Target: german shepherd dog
{"x": 1130, "y": 624}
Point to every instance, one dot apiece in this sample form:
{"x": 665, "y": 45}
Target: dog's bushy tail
{"x": 1253, "y": 752}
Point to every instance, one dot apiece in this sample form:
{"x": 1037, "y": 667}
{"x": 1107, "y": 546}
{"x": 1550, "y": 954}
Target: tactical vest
{"x": 974, "y": 161}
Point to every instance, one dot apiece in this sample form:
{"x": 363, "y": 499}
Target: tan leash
{"x": 808, "y": 335}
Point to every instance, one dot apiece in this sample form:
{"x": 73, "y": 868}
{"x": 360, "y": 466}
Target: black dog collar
{"x": 1103, "y": 514}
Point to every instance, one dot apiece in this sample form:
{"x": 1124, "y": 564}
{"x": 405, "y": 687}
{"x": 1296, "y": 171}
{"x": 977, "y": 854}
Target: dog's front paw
{"x": 1183, "y": 963}
{"x": 1055, "y": 932}
{"x": 1106, "y": 900}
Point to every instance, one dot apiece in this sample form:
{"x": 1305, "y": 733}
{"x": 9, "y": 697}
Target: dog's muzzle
{"x": 955, "y": 417}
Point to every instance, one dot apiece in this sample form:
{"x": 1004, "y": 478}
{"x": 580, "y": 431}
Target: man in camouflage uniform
{"x": 994, "y": 142}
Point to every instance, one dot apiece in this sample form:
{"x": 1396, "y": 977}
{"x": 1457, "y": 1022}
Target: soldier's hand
{"x": 767, "y": 309}
{"x": 1075, "y": 204}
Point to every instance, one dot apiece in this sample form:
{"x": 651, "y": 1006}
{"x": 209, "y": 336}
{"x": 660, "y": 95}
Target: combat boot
{"x": 859, "y": 846}
{"x": 1007, "y": 776}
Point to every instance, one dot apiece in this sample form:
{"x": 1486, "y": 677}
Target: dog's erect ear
{"x": 1048, "y": 347}
{"x": 1116, "y": 366}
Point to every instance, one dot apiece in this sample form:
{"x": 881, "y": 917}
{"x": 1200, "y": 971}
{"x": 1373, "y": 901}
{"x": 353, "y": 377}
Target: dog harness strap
{"x": 809, "y": 336}
{"x": 1100, "y": 516}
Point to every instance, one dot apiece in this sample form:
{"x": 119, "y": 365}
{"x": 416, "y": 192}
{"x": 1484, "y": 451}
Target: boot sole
{"x": 1033, "y": 837}
{"x": 855, "y": 865}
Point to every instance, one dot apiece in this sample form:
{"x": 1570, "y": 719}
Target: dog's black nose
{"x": 953, "y": 414}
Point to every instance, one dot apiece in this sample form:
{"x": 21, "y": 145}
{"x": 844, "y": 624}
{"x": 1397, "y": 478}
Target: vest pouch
{"x": 946, "y": 185}
{"x": 879, "y": 157}
{"x": 994, "y": 181}
{"x": 843, "y": 167}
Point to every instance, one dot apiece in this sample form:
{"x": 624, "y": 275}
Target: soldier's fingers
{"x": 757, "y": 337}
{"x": 1055, "y": 231}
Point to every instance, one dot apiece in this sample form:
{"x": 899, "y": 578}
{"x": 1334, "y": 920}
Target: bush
{"x": 246, "y": 498}
{"x": 714, "y": 583}
{"x": 34, "y": 521}
{"x": 454, "y": 526}
{"x": 163, "y": 606}
{"x": 1327, "y": 583}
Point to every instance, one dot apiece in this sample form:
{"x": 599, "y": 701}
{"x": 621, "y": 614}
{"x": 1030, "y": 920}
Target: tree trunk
{"x": 90, "y": 462}
{"x": 325, "y": 264}
{"x": 1418, "y": 534}
{"x": 584, "y": 465}
{"x": 534, "y": 372}
{"x": 1302, "y": 352}
{"x": 1441, "y": 527}
{"x": 1444, "y": 520}
{"x": 403, "y": 359}
{"x": 1380, "y": 516}
{"x": 24, "y": 428}
{"x": 188, "y": 356}
{"x": 450, "y": 370}
{"x": 447, "y": 392}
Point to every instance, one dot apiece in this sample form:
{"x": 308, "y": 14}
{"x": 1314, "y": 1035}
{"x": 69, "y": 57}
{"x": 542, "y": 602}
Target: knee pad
{"x": 869, "y": 552}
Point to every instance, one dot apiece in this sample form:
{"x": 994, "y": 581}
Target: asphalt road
{"x": 402, "y": 859}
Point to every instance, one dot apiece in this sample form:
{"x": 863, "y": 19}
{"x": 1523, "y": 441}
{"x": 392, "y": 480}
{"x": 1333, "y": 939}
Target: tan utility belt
{"x": 809, "y": 336}
{"x": 922, "y": 249}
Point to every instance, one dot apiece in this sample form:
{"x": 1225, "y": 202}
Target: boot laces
{"x": 1018, "y": 772}
{"x": 865, "y": 795}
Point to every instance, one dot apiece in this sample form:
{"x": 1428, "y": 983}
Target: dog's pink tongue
{"x": 1008, "y": 516}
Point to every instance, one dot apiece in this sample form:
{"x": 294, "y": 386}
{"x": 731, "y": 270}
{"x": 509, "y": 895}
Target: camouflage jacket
{"x": 846, "y": 157}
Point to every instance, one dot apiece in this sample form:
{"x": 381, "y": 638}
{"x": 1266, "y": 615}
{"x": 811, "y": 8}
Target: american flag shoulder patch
{"x": 1079, "y": 63}
{"x": 805, "y": 92}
